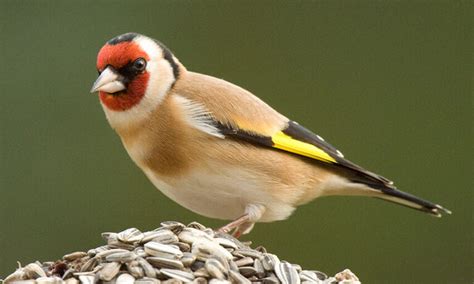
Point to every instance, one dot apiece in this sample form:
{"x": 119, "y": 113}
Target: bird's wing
{"x": 298, "y": 140}
{"x": 237, "y": 114}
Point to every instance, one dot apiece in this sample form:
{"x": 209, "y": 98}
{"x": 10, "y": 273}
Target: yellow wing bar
{"x": 284, "y": 142}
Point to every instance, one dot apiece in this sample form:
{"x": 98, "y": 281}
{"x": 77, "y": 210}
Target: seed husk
{"x": 75, "y": 255}
{"x": 121, "y": 257}
{"x": 162, "y": 250}
{"x": 178, "y": 274}
{"x": 109, "y": 271}
{"x": 125, "y": 278}
{"x": 130, "y": 236}
{"x": 287, "y": 273}
{"x": 160, "y": 262}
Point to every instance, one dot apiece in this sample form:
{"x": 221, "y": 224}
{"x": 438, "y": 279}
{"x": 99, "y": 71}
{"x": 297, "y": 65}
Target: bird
{"x": 217, "y": 149}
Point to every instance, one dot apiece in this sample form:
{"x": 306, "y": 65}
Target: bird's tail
{"x": 399, "y": 197}
{"x": 383, "y": 188}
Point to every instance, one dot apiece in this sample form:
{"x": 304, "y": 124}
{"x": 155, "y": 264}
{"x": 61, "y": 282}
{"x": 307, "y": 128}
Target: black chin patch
{"x": 122, "y": 38}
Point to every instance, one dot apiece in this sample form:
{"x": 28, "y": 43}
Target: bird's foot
{"x": 234, "y": 225}
{"x": 244, "y": 224}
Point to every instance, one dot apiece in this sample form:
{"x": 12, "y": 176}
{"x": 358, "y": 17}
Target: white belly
{"x": 221, "y": 193}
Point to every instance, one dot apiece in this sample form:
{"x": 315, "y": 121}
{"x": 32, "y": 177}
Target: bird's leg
{"x": 244, "y": 224}
{"x": 234, "y": 224}
{"x": 243, "y": 229}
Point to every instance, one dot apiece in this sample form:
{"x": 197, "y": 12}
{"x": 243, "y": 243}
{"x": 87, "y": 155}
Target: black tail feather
{"x": 409, "y": 200}
{"x": 386, "y": 190}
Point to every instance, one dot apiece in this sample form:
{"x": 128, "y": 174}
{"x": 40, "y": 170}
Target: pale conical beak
{"x": 108, "y": 81}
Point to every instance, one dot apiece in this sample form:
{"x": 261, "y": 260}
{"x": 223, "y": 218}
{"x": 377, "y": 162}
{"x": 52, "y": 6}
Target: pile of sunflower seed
{"x": 172, "y": 253}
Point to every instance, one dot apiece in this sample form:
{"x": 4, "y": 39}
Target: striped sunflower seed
{"x": 162, "y": 250}
{"x": 130, "y": 236}
{"x": 287, "y": 273}
{"x": 160, "y": 262}
{"x": 178, "y": 274}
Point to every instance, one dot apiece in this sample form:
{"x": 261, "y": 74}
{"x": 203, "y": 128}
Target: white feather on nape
{"x": 197, "y": 116}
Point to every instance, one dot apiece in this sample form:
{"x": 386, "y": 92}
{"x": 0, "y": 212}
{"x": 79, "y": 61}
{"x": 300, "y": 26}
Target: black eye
{"x": 139, "y": 64}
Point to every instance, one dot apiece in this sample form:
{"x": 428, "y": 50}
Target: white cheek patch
{"x": 159, "y": 83}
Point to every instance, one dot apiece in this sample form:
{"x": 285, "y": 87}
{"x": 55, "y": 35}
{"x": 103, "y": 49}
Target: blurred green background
{"x": 388, "y": 82}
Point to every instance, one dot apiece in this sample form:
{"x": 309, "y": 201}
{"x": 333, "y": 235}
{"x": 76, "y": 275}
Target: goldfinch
{"x": 218, "y": 150}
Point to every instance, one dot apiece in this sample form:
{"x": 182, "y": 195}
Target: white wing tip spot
{"x": 339, "y": 153}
